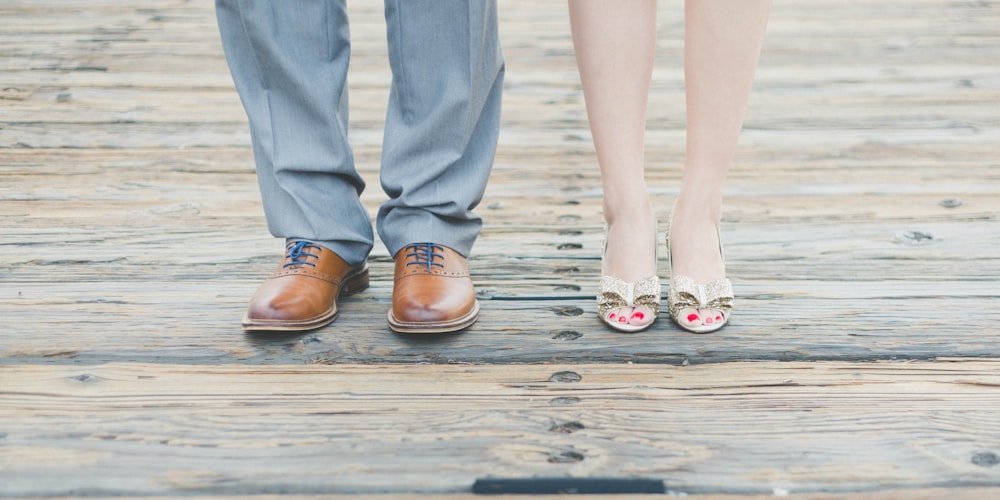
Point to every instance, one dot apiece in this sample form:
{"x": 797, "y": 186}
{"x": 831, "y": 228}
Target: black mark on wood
{"x": 567, "y": 335}
{"x": 566, "y": 457}
{"x": 564, "y": 401}
{"x": 566, "y": 427}
{"x": 565, "y": 377}
{"x": 917, "y": 236}
{"x": 567, "y": 486}
{"x": 566, "y": 310}
{"x": 985, "y": 459}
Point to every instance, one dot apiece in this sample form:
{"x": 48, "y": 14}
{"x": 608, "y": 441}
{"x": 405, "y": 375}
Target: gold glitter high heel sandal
{"x": 685, "y": 294}
{"x": 616, "y": 293}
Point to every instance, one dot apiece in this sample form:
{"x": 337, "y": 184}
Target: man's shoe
{"x": 433, "y": 291}
{"x": 302, "y": 294}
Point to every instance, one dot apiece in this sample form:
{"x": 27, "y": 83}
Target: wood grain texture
{"x": 860, "y": 228}
{"x": 737, "y": 428}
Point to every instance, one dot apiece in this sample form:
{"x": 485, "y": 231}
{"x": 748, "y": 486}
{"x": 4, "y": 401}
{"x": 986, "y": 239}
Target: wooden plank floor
{"x": 391, "y": 428}
{"x": 861, "y": 235}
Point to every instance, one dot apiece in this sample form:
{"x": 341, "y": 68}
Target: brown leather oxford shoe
{"x": 302, "y": 294}
{"x": 432, "y": 292}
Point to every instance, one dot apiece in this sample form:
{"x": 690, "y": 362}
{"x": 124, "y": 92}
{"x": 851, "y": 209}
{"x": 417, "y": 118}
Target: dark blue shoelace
{"x": 423, "y": 254}
{"x": 298, "y": 252}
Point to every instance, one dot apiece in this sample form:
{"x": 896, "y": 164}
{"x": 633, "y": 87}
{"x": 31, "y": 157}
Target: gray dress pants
{"x": 289, "y": 61}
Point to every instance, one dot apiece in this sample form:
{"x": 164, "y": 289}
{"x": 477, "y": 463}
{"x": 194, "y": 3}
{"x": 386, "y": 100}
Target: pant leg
{"x": 289, "y": 62}
{"x": 442, "y": 121}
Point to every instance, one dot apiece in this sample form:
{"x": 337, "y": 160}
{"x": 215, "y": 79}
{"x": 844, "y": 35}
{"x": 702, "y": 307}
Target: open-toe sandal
{"x": 616, "y": 293}
{"x": 685, "y": 294}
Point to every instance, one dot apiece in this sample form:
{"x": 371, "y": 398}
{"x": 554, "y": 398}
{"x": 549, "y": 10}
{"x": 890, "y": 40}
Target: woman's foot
{"x": 630, "y": 291}
{"x": 700, "y": 298}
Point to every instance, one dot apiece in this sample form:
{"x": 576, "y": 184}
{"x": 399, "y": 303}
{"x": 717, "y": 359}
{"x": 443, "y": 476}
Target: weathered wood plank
{"x": 752, "y": 428}
{"x": 537, "y": 300}
{"x": 155, "y": 323}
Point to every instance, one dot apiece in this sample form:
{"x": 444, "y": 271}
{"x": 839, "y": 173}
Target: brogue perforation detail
{"x": 300, "y": 271}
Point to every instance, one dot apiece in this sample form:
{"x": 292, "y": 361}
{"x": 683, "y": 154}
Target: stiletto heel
{"x": 616, "y": 293}
{"x": 684, "y": 294}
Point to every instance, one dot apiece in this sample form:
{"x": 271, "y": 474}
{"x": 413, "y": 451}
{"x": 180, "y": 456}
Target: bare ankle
{"x": 636, "y": 209}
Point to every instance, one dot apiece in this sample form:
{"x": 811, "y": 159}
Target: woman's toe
{"x": 690, "y": 317}
{"x": 641, "y": 316}
{"x": 620, "y": 315}
{"x": 715, "y": 315}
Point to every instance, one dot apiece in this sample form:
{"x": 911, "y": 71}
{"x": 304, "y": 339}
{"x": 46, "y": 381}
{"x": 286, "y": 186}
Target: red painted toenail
{"x": 709, "y": 321}
{"x": 718, "y": 318}
{"x": 622, "y": 319}
{"x": 639, "y": 315}
{"x": 612, "y": 316}
{"x": 693, "y": 317}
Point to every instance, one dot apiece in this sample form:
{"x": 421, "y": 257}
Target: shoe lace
{"x": 298, "y": 252}
{"x": 423, "y": 255}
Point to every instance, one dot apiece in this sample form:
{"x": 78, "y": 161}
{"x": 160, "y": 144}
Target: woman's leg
{"x": 615, "y": 44}
{"x": 723, "y": 39}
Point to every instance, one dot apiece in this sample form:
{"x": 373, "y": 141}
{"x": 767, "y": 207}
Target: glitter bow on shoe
{"x": 617, "y": 293}
{"x": 684, "y": 293}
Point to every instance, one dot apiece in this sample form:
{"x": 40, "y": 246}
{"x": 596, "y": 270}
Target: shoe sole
{"x": 701, "y": 330}
{"x": 352, "y": 284}
{"x": 437, "y": 327}
{"x": 626, "y": 328}
{"x": 290, "y": 326}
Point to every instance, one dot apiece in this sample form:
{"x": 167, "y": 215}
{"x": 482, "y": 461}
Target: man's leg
{"x": 289, "y": 61}
{"x": 441, "y": 133}
{"x": 442, "y": 122}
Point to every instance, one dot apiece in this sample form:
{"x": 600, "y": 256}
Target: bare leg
{"x": 723, "y": 39}
{"x": 615, "y": 44}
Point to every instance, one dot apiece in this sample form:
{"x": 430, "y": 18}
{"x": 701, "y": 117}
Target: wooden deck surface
{"x": 860, "y": 227}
